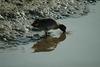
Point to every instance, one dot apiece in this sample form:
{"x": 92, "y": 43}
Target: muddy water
{"x": 81, "y": 48}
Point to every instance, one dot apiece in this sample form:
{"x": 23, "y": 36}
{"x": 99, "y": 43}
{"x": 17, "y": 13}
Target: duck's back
{"x": 47, "y": 24}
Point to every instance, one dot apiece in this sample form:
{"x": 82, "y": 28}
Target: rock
{"x": 1, "y": 17}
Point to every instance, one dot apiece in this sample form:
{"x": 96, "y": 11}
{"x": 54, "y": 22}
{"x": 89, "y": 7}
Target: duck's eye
{"x": 36, "y": 24}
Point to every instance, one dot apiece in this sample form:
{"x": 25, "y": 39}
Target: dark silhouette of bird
{"x": 48, "y": 24}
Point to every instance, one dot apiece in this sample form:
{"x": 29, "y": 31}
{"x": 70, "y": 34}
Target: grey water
{"x": 80, "y": 48}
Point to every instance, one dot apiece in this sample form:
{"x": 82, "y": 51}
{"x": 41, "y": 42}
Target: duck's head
{"x": 62, "y": 27}
{"x": 35, "y": 23}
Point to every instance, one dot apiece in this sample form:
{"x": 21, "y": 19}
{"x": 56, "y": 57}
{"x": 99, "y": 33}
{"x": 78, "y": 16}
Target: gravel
{"x": 16, "y": 17}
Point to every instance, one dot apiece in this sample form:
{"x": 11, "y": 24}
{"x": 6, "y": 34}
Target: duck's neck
{"x": 62, "y": 27}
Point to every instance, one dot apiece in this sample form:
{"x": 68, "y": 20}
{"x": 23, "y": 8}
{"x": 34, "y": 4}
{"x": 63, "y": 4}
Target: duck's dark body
{"x": 47, "y": 24}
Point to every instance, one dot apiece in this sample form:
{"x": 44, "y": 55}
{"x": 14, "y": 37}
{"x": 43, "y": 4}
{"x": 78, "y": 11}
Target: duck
{"x": 47, "y": 24}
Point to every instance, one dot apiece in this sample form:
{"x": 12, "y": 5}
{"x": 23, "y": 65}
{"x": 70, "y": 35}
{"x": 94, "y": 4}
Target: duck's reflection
{"x": 48, "y": 44}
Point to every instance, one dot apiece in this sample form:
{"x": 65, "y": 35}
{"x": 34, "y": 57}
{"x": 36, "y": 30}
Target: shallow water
{"x": 81, "y": 48}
